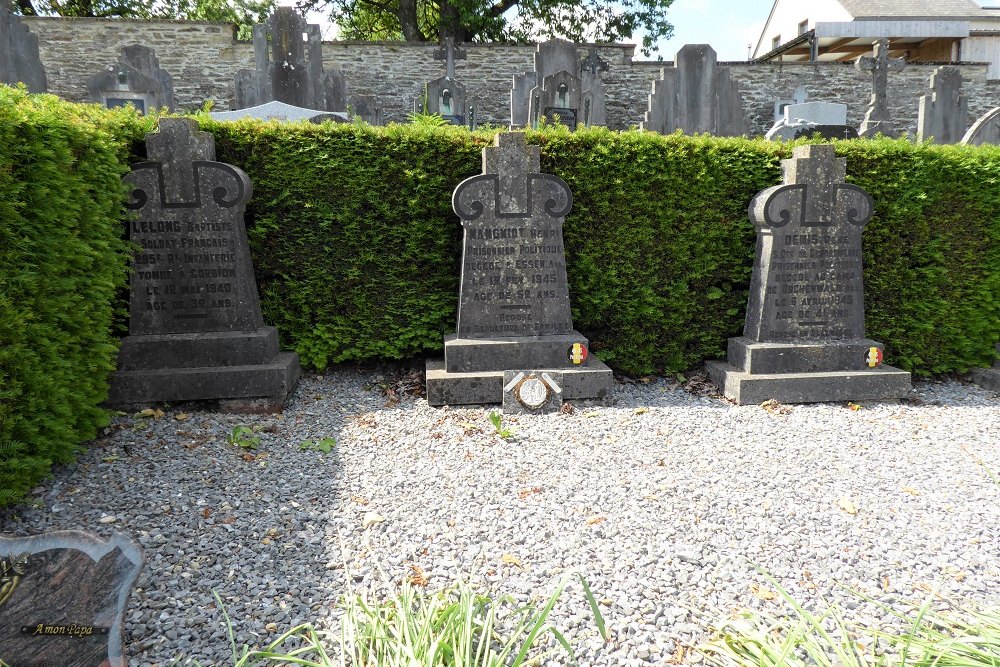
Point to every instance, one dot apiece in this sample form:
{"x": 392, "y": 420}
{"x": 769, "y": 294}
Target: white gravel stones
{"x": 665, "y": 511}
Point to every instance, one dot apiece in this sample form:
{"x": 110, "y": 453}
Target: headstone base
{"x": 236, "y": 366}
{"x": 593, "y": 381}
{"x": 462, "y": 355}
{"x": 988, "y": 378}
{"x": 882, "y": 383}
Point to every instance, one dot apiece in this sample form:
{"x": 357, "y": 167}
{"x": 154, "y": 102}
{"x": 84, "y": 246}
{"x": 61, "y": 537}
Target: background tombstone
{"x": 63, "y": 597}
{"x": 798, "y": 97}
{"x": 556, "y": 88}
{"x": 519, "y": 95}
{"x": 696, "y": 95}
{"x": 944, "y": 110}
{"x": 445, "y": 95}
{"x": 986, "y": 130}
{"x": 283, "y": 112}
{"x": 988, "y": 377}
{"x": 135, "y": 79}
{"x": 804, "y": 339}
{"x": 877, "y": 119}
{"x": 829, "y": 119}
{"x": 593, "y": 110}
{"x": 514, "y": 310}
{"x": 291, "y": 74}
{"x": 367, "y": 108}
{"x": 195, "y": 327}
{"x": 19, "y": 59}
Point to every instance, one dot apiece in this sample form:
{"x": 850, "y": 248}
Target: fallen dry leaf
{"x": 641, "y": 411}
{"x": 524, "y": 493}
{"x": 181, "y": 416}
{"x": 847, "y": 505}
{"x": 359, "y": 500}
{"x": 762, "y": 593}
{"x": 591, "y": 413}
{"x": 775, "y": 408}
{"x": 207, "y": 512}
{"x": 249, "y": 457}
{"x": 854, "y": 406}
{"x": 595, "y": 520}
{"x": 885, "y": 584}
{"x": 150, "y": 412}
{"x": 511, "y": 559}
{"x": 911, "y": 491}
{"x": 417, "y": 576}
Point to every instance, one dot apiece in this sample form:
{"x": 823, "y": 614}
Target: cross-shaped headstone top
{"x": 877, "y": 118}
{"x": 818, "y": 168}
{"x": 449, "y": 54}
{"x": 512, "y": 159}
{"x": 179, "y": 143}
{"x": 880, "y": 62}
{"x": 593, "y": 63}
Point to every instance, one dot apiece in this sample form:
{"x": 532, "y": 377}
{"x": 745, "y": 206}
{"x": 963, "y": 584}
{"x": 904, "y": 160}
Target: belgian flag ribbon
{"x": 578, "y": 353}
{"x": 873, "y": 357}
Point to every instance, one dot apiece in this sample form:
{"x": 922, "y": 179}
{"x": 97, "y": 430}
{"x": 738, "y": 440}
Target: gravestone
{"x": 593, "y": 111}
{"x": 291, "y": 73}
{"x": 19, "y": 59}
{"x": 986, "y": 130}
{"x": 878, "y": 119}
{"x": 195, "y": 326}
{"x": 798, "y": 97}
{"x": 283, "y": 112}
{"x": 943, "y": 110}
{"x": 63, "y": 597}
{"x": 828, "y": 119}
{"x": 513, "y": 310}
{"x": 988, "y": 377}
{"x": 696, "y": 95}
{"x": 445, "y": 95}
{"x": 367, "y": 108}
{"x": 804, "y": 339}
{"x": 556, "y": 89}
{"x": 135, "y": 79}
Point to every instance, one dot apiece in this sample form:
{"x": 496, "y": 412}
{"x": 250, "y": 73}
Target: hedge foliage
{"x": 357, "y": 250}
{"x": 62, "y": 262}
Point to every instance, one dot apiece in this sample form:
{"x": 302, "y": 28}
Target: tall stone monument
{"x": 804, "y": 339}
{"x": 593, "y": 109}
{"x": 943, "y": 110}
{"x": 135, "y": 79}
{"x": 877, "y": 119}
{"x": 290, "y": 74}
{"x": 555, "y": 90}
{"x": 695, "y": 95}
{"x": 514, "y": 311}
{"x": 989, "y": 377}
{"x": 19, "y": 59}
{"x": 195, "y": 326}
{"x": 445, "y": 95}
{"x": 63, "y": 597}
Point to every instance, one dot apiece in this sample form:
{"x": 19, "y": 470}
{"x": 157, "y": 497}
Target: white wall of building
{"x": 789, "y": 14}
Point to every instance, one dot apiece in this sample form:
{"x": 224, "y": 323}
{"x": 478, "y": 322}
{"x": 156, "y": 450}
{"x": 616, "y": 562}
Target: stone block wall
{"x": 203, "y": 59}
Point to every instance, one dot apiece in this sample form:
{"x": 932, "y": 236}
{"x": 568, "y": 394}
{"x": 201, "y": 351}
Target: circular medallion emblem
{"x": 578, "y": 353}
{"x": 873, "y": 357}
{"x": 531, "y": 392}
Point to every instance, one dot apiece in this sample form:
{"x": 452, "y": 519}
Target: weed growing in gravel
{"x": 325, "y": 445}
{"x": 960, "y": 637}
{"x": 243, "y": 436}
{"x": 504, "y": 432}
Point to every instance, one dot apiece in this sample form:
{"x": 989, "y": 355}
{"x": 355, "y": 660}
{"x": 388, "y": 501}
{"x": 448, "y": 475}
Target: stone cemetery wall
{"x": 203, "y": 59}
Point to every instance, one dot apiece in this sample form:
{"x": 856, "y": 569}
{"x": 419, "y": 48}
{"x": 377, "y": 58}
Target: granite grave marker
{"x": 514, "y": 310}
{"x": 828, "y": 119}
{"x": 195, "y": 326}
{"x": 19, "y": 59}
{"x": 804, "y": 339}
{"x": 63, "y": 597}
{"x": 943, "y": 110}
{"x": 877, "y": 119}
{"x": 445, "y": 95}
{"x": 986, "y": 129}
{"x": 696, "y": 95}
{"x": 136, "y": 79}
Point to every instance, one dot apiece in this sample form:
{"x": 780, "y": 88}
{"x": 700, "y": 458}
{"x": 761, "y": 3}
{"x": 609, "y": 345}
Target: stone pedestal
{"x": 514, "y": 311}
{"x": 988, "y": 377}
{"x": 804, "y": 339}
{"x": 195, "y": 326}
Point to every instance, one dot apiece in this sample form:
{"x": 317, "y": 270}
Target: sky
{"x": 728, "y": 25}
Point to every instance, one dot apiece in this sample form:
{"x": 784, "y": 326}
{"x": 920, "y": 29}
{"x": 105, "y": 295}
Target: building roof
{"x": 913, "y": 8}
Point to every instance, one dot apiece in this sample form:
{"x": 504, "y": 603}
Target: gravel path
{"x": 662, "y": 501}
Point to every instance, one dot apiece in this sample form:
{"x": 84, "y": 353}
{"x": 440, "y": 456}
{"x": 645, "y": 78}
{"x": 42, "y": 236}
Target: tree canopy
{"x": 498, "y": 20}
{"x": 241, "y": 12}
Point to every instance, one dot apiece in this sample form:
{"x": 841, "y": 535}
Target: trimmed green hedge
{"x": 357, "y": 250}
{"x": 62, "y": 262}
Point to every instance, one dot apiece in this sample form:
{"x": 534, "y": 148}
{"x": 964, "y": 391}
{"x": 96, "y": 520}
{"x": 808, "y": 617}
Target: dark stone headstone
{"x": 135, "y": 79}
{"x": 446, "y": 97}
{"x": 559, "y": 81}
{"x": 804, "y": 339}
{"x": 826, "y": 131}
{"x": 367, "y": 108}
{"x": 877, "y": 119}
{"x": 593, "y": 110}
{"x": 19, "y": 59}
{"x": 986, "y": 130}
{"x": 291, "y": 73}
{"x": 943, "y": 110}
{"x": 195, "y": 326}
{"x": 63, "y": 597}
{"x": 696, "y": 95}
{"x": 989, "y": 377}
{"x": 514, "y": 310}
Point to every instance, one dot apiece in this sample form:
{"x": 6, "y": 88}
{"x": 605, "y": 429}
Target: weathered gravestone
{"x": 367, "y": 108}
{"x": 696, "y": 95}
{"x": 135, "y": 79}
{"x": 513, "y": 310}
{"x": 877, "y": 119}
{"x": 19, "y": 59}
{"x": 986, "y": 130}
{"x": 804, "y": 339}
{"x": 828, "y": 119}
{"x": 943, "y": 110}
{"x": 288, "y": 75}
{"x": 63, "y": 597}
{"x": 283, "y": 112}
{"x": 798, "y": 97}
{"x": 989, "y": 377}
{"x": 195, "y": 326}
{"x": 593, "y": 109}
{"x": 556, "y": 90}
{"x": 445, "y": 95}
